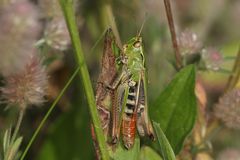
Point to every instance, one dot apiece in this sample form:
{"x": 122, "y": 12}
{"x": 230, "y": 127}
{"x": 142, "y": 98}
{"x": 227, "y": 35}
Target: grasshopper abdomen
{"x": 130, "y": 117}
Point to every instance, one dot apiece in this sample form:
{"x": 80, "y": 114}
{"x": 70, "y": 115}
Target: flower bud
{"x": 212, "y": 58}
{"x": 189, "y": 43}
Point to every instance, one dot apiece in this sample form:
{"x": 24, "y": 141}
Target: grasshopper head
{"x": 134, "y": 49}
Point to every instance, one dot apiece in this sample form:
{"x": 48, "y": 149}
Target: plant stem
{"x": 19, "y": 121}
{"x": 48, "y": 113}
{"x": 109, "y": 20}
{"x": 67, "y": 7}
{"x": 173, "y": 34}
{"x": 235, "y": 75}
{"x": 232, "y": 81}
{"x": 210, "y": 135}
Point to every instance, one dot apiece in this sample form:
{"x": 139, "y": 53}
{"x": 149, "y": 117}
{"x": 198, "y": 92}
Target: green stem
{"x": 97, "y": 42}
{"x": 67, "y": 7}
{"x": 232, "y": 81}
{"x": 234, "y": 77}
{"x": 48, "y": 113}
{"x": 109, "y": 20}
{"x": 19, "y": 121}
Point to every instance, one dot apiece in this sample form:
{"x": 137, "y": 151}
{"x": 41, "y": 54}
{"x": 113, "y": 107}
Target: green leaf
{"x": 165, "y": 148}
{"x": 148, "y": 153}
{"x": 175, "y": 109}
{"x": 6, "y": 139}
{"x": 122, "y": 153}
{"x": 12, "y": 151}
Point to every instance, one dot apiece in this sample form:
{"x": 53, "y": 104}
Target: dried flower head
{"x": 56, "y": 34}
{"x": 229, "y": 154}
{"x": 212, "y": 58}
{"x": 18, "y": 32}
{"x": 228, "y": 109}
{"x": 27, "y": 87}
{"x": 189, "y": 43}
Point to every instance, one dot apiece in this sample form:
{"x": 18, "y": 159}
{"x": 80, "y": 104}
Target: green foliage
{"x": 6, "y": 140}
{"x": 165, "y": 148}
{"x": 175, "y": 109}
{"x": 48, "y": 113}
{"x": 12, "y": 152}
{"x": 148, "y": 153}
{"x": 71, "y": 130}
{"x": 69, "y": 13}
{"x": 68, "y": 136}
{"x": 122, "y": 154}
{"x": 11, "y": 146}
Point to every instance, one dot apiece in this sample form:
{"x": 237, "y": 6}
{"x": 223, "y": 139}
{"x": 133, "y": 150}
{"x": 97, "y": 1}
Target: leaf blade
{"x": 165, "y": 147}
{"x": 148, "y": 153}
{"x": 175, "y": 109}
{"x": 122, "y": 153}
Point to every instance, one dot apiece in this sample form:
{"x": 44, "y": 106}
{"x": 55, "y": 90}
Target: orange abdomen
{"x": 129, "y": 130}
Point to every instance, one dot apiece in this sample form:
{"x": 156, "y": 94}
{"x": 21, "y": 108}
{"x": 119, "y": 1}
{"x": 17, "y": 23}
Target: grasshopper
{"x": 127, "y": 95}
{"x": 107, "y": 74}
{"x": 128, "y": 92}
{"x": 104, "y": 96}
{"x": 129, "y": 107}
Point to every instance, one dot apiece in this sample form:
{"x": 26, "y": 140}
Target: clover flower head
{"x": 189, "y": 43}
{"x": 27, "y": 87}
{"x": 228, "y": 109}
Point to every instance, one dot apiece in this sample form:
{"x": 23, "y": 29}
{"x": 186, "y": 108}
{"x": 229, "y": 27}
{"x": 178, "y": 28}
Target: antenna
{"x": 173, "y": 33}
{"x": 140, "y": 31}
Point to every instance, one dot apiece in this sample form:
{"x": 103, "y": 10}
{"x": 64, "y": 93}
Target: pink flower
{"x": 212, "y": 58}
{"x": 189, "y": 43}
{"x": 27, "y": 87}
{"x": 228, "y": 109}
{"x": 19, "y": 31}
{"x": 56, "y": 34}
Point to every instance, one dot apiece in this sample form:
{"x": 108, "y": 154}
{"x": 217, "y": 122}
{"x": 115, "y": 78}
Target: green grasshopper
{"x": 129, "y": 107}
{"x": 127, "y": 96}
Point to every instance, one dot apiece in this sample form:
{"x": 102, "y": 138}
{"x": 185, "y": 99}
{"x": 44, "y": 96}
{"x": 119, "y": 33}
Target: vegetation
{"x": 51, "y": 53}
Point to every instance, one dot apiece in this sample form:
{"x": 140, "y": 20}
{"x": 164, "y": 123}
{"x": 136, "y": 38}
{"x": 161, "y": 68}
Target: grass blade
{"x": 67, "y": 7}
{"x": 48, "y": 113}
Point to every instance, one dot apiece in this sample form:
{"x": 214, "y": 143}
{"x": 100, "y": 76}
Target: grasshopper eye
{"x": 125, "y": 46}
{"x": 137, "y": 44}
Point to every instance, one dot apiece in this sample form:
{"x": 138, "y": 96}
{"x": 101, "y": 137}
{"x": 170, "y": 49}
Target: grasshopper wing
{"x": 107, "y": 73}
{"x": 144, "y": 124}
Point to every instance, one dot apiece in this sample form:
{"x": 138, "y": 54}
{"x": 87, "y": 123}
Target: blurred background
{"x": 210, "y": 27}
